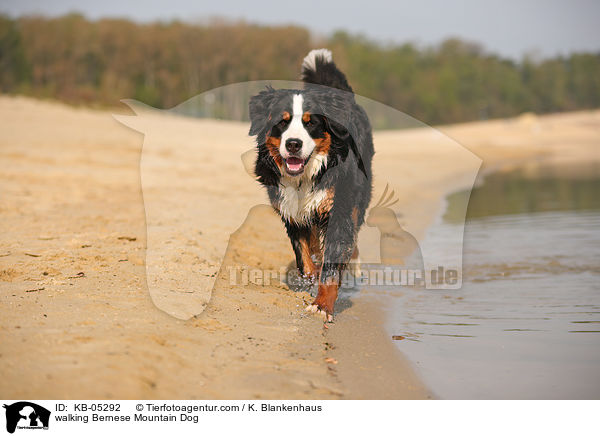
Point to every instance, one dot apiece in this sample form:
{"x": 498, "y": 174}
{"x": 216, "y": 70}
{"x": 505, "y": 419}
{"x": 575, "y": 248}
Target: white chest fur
{"x": 299, "y": 199}
{"x": 298, "y": 202}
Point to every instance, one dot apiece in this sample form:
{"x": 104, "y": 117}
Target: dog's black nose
{"x": 293, "y": 145}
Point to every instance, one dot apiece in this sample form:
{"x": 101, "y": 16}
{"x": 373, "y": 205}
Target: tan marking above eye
{"x": 306, "y": 117}
{"x": 286, "y": 116}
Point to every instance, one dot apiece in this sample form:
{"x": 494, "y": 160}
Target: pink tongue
{"x": 294, "y": 163}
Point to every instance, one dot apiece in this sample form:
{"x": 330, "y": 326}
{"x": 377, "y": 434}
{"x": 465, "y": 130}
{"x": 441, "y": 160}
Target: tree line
{"x": 164, "y": 63}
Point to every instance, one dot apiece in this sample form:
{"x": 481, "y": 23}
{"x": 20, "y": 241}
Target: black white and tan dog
{"x": 314, "y": 157}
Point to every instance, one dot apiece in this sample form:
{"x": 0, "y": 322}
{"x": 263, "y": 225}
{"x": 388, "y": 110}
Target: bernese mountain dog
{"x": 315, "y": 149}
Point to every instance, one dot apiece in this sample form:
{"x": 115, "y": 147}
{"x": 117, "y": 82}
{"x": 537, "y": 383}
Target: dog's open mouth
{"x": 294, "y": 165}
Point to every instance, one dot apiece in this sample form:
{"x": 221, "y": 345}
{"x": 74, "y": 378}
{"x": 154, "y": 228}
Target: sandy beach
{"x": 77, "y": 319}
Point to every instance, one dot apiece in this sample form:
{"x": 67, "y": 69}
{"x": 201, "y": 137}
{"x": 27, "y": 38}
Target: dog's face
{"x": 294, "y": 128}
{"x": 298, "y": 132}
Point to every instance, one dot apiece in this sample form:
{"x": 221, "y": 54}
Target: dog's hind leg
{"x": 354, "y": 265}
{"x": 315, "y": 247}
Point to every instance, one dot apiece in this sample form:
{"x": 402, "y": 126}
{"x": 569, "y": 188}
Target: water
{"x": 526, "y": 323}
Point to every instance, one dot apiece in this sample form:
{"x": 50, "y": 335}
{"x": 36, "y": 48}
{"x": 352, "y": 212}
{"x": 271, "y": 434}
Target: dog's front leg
{"x": 300, "y": 237}
{"x": 339, "y": 241}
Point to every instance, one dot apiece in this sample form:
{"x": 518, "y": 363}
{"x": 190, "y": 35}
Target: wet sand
{"x": 76, "y": 317}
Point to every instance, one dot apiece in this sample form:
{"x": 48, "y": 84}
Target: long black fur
{"x": 330, "y": 99}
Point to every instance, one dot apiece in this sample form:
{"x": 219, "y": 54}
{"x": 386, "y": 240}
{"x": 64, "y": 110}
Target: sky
{"x": 512, "y": 28}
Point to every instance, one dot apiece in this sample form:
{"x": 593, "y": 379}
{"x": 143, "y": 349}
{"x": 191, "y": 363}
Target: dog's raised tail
{"x": 318, "y": 68}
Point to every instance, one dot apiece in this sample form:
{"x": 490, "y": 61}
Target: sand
{"x": 78, "y": 315}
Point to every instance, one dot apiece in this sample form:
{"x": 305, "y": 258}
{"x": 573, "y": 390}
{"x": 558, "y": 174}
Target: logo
{"x": 26, "y": 415}
{"x": 395, "y": 251}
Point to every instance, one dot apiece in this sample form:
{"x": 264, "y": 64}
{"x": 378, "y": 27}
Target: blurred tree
{"x": 165, "y": 63}
{"x": 14, "y": 68}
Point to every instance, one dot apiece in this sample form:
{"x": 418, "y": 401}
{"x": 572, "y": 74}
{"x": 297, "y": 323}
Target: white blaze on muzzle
{"x": 296, "y": 130}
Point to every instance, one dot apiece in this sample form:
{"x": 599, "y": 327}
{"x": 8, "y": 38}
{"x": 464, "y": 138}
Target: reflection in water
{"x": 542, "y": 189}
{"x": 526, "y": 323}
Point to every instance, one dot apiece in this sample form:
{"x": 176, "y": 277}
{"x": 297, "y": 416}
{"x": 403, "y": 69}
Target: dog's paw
{"x": 314, "y": 308}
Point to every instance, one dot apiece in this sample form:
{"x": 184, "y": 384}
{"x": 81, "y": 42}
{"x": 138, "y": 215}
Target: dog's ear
{"x": 260, "y": 110}
{"x": 338, "y": 110}
{"x": 336, "y": 129}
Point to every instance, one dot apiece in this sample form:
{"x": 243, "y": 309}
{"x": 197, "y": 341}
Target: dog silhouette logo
{"x": 26, "y": 415}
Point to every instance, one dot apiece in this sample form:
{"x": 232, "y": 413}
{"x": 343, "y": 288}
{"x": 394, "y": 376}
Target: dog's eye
{"x": 311, "y": 122}
{"x": 281, "y": 123}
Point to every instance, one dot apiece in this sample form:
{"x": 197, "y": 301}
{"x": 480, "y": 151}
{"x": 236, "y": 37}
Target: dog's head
{"x": 300, "y": 128}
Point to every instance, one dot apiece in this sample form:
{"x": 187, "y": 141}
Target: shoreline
{"x": 544, "y": 153}
{"x": 74, "y": 201}
{"x": 475, "y": 315}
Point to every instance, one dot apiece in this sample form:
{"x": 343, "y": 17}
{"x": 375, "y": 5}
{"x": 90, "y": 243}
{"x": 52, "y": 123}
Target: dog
{"x": 315, "y": 149}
